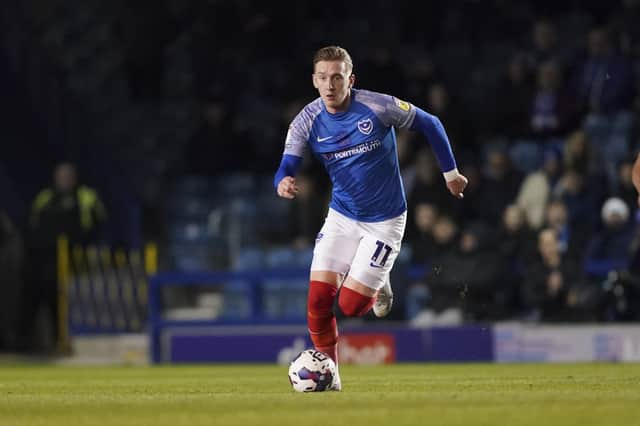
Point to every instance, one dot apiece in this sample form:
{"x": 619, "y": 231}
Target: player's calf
{"x": 320, "y": 318}
{"x": 354, "y": 304}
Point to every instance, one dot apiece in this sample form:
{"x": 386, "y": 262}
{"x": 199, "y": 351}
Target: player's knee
{"x": 354, "y": 304}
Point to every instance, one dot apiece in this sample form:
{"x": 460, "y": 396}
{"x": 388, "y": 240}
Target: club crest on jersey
{"x": 365, "y": 126}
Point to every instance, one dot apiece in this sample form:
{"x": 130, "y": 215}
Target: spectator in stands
{"x": 634, "y": 264}
{"x": 428, "y": 186}
{"x": 603, "y": 79}
{"x": 419, "y": 303}
{"x": 514, "y": 235}
{"x": 571, "y": 240}
{"x": 440, "y": 103}
{"x": 621, "y": 298}
{"x": 66, "y": 208}
{"x": 11, "y": 264}
{"x": 624, "y": 21}
{"x": 515, "y": 248}
{"x": 550, "y": 117}
{"x": 582, "y": 201}
{"x": 445, "y": 234}
{"x": 536, "y": 190}
{"x": 547, "y": 292}
{"x": 420, "y": 72}
{"x": 545, "y": 41}
{"x": 635, "y": 175}
{"x": 603, "y": 84}
{"x": 420, "y": 233}
{"x": 514, "y": 94}
{"x": 547, "y": 46}
{"x": 625, "y": 189}
{"x": 428, "y": 235}
{"x": 578, "y": 154}
{"x": 472, "y": 203}
{"x": 552, "y": 111}
{"x": 499, "y": 186}
{"x": 467, "y": 278}
{"x": 609, "y": 248}
{"x": 420, "y": 309}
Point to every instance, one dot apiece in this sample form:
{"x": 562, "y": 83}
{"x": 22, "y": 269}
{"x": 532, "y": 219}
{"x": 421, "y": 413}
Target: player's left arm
{"x": 394, "y": 112}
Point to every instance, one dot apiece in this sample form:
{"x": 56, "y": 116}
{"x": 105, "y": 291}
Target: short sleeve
{"x": 390, "y": 110}
{"x": 295, "y": 143}
{"x": 300, "y": 129}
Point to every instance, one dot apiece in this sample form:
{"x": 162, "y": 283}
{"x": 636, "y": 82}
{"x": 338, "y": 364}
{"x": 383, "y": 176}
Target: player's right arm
{"x": 294, "y": 147}
{"x": 284, "y": 180}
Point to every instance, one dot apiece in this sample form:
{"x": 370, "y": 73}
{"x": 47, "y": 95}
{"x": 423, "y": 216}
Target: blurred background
{"x": 139, "y": 140}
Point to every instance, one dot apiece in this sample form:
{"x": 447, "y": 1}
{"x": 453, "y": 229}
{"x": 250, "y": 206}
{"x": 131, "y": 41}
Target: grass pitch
{"x": 417, "y": 394}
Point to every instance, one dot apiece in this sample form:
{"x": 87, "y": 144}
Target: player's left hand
{"x": 456, "y": 186}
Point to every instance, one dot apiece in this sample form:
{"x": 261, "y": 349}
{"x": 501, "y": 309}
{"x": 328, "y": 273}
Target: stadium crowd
{"x": 540, "y": 101}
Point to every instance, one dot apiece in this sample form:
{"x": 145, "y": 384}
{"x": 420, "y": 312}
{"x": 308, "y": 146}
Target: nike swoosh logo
{"x": 324, "y": 139}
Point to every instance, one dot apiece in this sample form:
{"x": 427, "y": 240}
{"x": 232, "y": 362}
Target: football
{"x": 312, "y": 371}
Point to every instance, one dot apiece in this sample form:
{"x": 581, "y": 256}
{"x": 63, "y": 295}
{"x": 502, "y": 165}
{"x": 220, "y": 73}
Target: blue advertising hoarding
{"x": 358, "y": 345}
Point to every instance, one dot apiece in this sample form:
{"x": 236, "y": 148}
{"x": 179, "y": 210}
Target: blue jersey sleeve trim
{"x": 431, "y": 127}
{"x": 289, "y": 166}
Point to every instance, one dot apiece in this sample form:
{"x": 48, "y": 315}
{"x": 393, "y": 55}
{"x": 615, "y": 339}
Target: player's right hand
{"x": 287, "y": 187}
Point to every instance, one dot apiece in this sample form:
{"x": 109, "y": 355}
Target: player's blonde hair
{"x": 333, "y": 53}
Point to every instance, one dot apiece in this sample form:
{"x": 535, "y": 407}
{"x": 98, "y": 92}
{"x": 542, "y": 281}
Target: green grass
{"x": 430, "y": 394}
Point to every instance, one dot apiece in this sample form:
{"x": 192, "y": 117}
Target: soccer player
{"x": 351, "y": 132}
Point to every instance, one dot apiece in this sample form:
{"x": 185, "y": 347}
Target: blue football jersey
{"x": 358, "y": 149}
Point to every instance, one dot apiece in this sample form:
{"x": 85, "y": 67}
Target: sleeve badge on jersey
{"x": 405, "y": 106}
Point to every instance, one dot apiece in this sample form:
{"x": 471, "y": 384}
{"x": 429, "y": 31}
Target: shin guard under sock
{"x": 321, "y": 319}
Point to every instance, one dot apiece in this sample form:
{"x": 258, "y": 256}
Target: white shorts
{"x": 364, "y": 250}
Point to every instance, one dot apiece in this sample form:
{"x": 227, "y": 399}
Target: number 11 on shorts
{"x": 376, "y": 255}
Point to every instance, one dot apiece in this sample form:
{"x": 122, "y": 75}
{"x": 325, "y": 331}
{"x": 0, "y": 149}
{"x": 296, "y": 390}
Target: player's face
{"x": 333, "y": 79}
